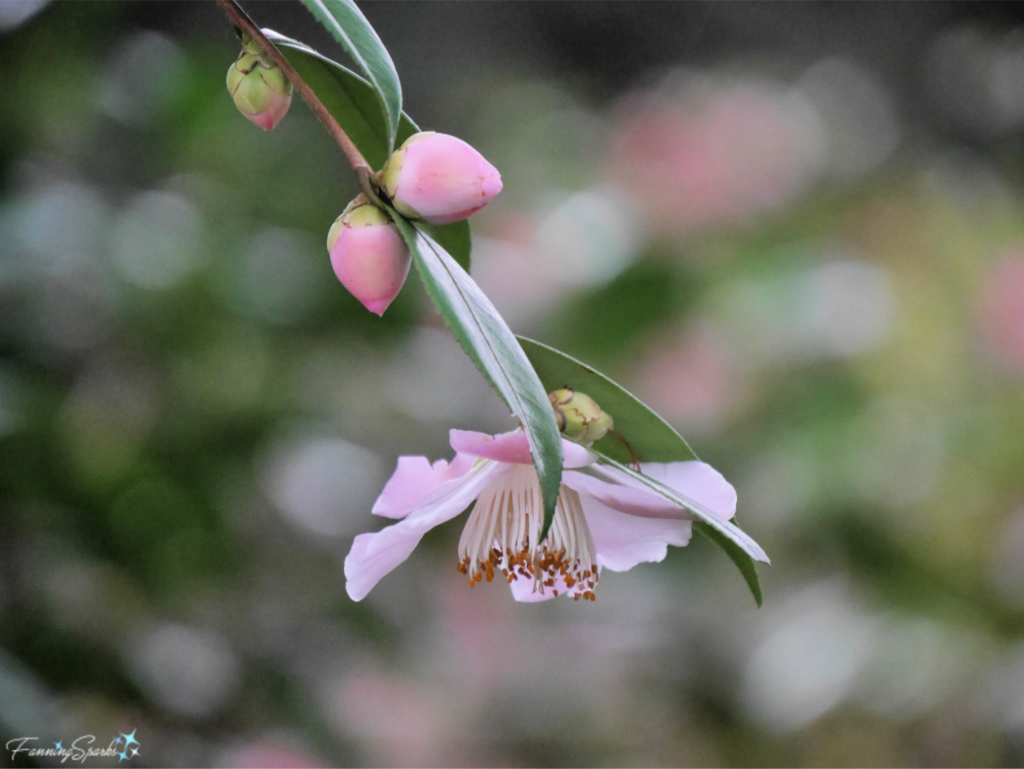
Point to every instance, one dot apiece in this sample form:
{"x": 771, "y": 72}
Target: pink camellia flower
{"x": 603, "y": 519}
{"x": 439, "y": 179}
{"x": 368, "y": 255}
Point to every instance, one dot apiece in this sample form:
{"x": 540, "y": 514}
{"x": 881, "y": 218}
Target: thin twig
{"x": 241, "y": 19}
{"x": 364, "y": 174}
{"x": 636, "y": 462}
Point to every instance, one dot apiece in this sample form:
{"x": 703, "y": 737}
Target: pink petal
{"x": 697, "y": 480}
{"x": 375, "y": 555}
{"x": 522, "y": 590}
{"x": 513, "y": 448}
{"x": 621, "y": 495}
{"x": 413, "y": 479}
{"x": 619, "y": 491}
{"x": 623, "y": 540}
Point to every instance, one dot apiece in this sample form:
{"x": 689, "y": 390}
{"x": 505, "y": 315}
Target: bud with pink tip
{"x": 368, "y": 255}
{"x": 259, "y": 88}
{"x": 438, "y": 178}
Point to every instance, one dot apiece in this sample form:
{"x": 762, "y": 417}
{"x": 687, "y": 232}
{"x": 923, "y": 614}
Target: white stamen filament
{"x": 503, "y": 532}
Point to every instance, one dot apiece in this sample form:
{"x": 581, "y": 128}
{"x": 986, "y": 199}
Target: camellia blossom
{"x": 603, "y": 518}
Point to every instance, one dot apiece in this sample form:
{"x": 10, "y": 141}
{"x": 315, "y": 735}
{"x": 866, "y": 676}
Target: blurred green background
{"x": 795, "y": 230}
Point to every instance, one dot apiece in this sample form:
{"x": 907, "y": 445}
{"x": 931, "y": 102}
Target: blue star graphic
{"x": 123, "y": 756}
{"x": 129, "y": 739}
{"x": 117, "y": 741}
{"x": 59, "y": 745}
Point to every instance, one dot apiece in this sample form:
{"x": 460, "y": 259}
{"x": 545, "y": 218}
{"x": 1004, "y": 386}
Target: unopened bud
{"x": 261, "y": 91}
{"x": 438, "y": 178}
{"x": 368, "y": 255}
{"x": 579, "y": 418}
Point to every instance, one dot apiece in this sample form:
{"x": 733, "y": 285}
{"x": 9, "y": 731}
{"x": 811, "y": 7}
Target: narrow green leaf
{"x": 353, "y": 103}
{"x": 349, "y": 27}
{"x": 739, "y": 557}
{"x": 651, "y": 437}
{"x": 729, "y": 530}
{"x": 485, "y": 337}
{"x": 453, "y": 238}
{"x": 348, "y": 97}
{"x": 736, "y": 543}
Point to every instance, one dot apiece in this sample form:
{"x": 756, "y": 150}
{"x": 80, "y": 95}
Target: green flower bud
{"x": 579, "y": 418}
{"x": 259, "y": 88}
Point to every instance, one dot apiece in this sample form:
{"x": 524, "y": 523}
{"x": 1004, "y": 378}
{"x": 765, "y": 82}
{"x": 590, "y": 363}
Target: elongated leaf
{"x": 348, "y": 97}
{"x": 730, "y": 531}
{"x": 353, "y": 103}
{"x": 486, "y": 338}
{"x": 737, "y": 543}
{"x": 651, "y": 438}
{"x": 738, "y": 555}
{"x": 453, "y": 238}
{"x": 350, "y": 28}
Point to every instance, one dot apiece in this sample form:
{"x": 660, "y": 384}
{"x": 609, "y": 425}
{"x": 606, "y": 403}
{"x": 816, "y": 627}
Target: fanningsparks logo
{"x": 125, "y": 747}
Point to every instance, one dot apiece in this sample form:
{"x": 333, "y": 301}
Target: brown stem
{"x": 241, "y": 20}
{"x": 364, "y": 174}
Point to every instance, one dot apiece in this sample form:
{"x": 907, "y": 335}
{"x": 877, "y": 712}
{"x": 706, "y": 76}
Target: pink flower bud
{"x": 439, "y": 179}
{"x": 368, "y": 255}
{"x": 259, "y": 88}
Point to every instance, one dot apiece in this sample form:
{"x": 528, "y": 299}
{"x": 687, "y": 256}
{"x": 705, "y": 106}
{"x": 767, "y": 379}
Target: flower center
{"x": 503, "y": 530}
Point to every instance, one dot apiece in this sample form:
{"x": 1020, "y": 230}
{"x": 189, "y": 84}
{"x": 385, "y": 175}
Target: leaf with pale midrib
{"x": 650, "y": 437}
{"x": 485, "y": 337}
{"x": 737, "y": 544}
{"x": 348, "y": 26}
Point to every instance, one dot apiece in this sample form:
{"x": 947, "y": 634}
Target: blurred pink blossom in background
{"x": 270, "y": 753}
{"x": 1001, "y": 311}
{"x": 715, "y": 154}
{"x": 405, "y": 724}
{"x": 690, "y": 376}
